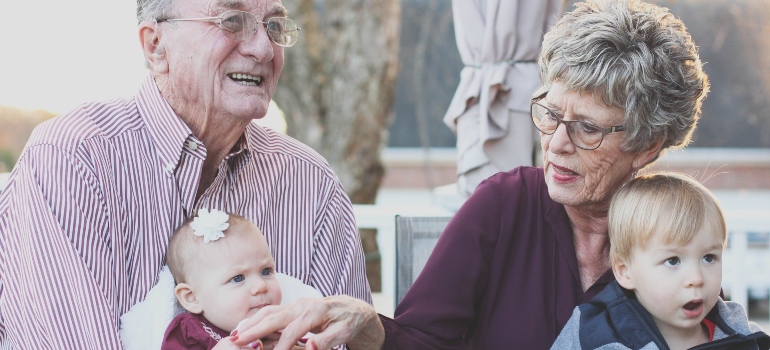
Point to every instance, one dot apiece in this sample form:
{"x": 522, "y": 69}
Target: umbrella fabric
{"x": 499, "y": 41}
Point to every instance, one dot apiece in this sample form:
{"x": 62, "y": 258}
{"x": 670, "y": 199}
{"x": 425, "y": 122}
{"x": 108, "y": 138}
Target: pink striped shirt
{"x": 87, "y": 213}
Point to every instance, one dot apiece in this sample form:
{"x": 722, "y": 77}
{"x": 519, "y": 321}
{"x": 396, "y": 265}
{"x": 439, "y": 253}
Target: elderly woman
{"x": 622, "y": 83}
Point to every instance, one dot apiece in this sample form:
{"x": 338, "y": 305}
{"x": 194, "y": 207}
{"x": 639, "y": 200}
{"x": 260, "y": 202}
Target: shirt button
{"x": 170, "y": 167}
{"x": 192, "y": 145}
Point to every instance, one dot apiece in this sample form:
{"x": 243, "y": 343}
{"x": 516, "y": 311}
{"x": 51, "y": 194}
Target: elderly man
{"x": 88, "y": 210}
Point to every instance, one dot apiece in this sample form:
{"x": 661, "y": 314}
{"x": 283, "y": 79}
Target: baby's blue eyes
{"x": 238, "y": 278}
{"x": 710, "y": 258}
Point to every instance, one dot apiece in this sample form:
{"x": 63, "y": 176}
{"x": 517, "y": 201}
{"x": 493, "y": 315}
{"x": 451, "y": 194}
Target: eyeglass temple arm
{"x": 186, "y": 19}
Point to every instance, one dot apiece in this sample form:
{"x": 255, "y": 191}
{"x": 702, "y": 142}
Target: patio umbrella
{"x": 499, "y": 41}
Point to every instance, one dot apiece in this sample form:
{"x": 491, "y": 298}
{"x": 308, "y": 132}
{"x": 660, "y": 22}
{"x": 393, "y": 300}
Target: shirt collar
{"x": 243, "y": 145}
{"x": 170, "y": 133}
{"x": 167, "y": 130}
{"x": 239, "y": 156}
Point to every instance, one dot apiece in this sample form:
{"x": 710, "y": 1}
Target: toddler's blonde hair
{"x": 666, "y": 206}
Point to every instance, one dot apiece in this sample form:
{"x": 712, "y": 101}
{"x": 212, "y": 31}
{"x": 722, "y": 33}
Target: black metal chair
{"x": 415, "y": 239}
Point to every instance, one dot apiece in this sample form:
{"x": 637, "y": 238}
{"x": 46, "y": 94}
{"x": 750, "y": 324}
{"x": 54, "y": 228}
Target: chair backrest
{"x": 415, "y": 239}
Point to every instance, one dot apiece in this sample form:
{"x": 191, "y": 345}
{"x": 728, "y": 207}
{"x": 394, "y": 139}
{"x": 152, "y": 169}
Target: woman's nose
{"x": 560, "y": 141}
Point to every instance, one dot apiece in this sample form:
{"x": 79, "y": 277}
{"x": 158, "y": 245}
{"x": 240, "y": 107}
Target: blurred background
{"x": 369, "y": 82}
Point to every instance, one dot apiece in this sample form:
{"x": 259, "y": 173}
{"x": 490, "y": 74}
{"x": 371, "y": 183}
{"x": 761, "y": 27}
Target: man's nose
{"x": 258, "y": 44}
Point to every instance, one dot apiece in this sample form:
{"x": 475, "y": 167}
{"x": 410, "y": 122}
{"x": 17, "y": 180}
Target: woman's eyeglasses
{"x": 583, "y": 134}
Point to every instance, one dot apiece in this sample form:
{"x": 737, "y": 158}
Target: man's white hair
{"x": 148, "y": 10}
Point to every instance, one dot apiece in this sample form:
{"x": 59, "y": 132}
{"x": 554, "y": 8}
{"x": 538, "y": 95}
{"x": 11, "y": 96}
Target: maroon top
{"x": 191, "y": 331}
{"x": 503, "y": 274}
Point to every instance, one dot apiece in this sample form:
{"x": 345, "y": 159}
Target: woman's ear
{"x": 154, "y": 54}
{"x": 643, "y": 158}
{"x": 622, "y": 274}
{"x": 187, "y": 298}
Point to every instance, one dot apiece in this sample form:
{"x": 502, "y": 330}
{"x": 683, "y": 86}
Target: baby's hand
{"x": 227, "y": 344}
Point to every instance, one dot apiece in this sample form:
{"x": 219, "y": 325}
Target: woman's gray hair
{"x": 635, "y": 56}
{"x": 149, "y": 10}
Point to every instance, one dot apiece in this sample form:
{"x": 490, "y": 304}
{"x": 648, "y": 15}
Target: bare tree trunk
{"x": 338, "y": 83}
{"x": 337, "y": 91}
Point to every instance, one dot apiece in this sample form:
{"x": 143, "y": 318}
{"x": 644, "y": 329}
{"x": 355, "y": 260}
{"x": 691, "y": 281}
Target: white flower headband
{"x": 210, "y": 225}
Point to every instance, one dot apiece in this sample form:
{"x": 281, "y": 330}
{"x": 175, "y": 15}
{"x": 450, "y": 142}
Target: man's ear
{"x": 187, "y": 298}
{"x": 622, "y": 274}
{"x": 154, "y": 53}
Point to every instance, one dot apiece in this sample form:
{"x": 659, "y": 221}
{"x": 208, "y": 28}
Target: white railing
{"x": 745, "y": 267}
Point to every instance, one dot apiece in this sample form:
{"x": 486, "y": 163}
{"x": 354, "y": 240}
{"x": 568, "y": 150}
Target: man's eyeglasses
{"x": 242, "y": 25}
{"x": 583, "y": 134}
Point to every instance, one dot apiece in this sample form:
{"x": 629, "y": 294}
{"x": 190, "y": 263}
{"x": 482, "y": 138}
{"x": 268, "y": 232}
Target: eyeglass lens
{"x": 584, "y": 135}
{"x": 281, "y": 30}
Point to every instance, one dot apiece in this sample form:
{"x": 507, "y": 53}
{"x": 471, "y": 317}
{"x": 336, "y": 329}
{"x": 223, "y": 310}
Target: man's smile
{"x": 246, "y": 79}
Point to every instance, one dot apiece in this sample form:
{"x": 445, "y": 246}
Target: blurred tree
{"x": 337, "y": 91}
{"x": 15, "y": 127}
{"x": 338, "y": 82}
{"x": 7, "y": 160}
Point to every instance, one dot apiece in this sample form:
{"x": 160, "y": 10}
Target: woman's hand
{"x": 335, "y": 320}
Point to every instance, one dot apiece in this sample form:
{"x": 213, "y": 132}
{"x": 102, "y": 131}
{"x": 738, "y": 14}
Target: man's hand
{"x": 335, "y": 320}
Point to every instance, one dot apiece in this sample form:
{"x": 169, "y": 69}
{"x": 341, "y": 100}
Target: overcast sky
{"x": 58, "y": 54}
